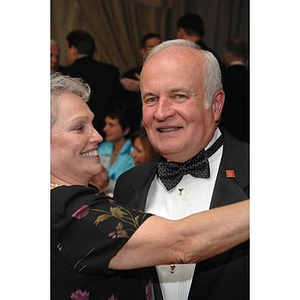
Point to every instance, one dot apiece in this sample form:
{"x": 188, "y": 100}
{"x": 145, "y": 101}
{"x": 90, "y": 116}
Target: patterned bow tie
{"x": 171, "y": 173}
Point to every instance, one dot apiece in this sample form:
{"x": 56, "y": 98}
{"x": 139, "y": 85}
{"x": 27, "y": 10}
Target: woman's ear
{"x": 126, "y": 131}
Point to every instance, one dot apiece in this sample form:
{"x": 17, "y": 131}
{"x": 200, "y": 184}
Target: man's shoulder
{"x": 139, "y": 171}
{"x": 107, "y": 67}
{"x": 135, "y": 179}
{"x": 233, "y": 143}
{"x": 95, "y": 65}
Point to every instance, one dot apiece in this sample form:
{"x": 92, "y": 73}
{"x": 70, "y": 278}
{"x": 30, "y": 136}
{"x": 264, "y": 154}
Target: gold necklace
{"x": 54, "y": 185}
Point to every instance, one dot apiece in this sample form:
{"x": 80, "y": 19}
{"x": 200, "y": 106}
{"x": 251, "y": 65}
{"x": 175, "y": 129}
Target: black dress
{"x": 87, "y": 230}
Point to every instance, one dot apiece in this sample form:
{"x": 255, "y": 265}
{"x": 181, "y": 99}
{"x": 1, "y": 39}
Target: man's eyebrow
{"x": 147, "y": 94}
{"x": 178, "y": 89}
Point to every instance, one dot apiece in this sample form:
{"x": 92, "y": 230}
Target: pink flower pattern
{"x": 81, "y": 212}
{"x": 149, "y": 290}
{"x": 80, "y": 295}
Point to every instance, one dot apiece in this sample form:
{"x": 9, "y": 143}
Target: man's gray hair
{"x": 61, "y": 84}
{"x": 212, "y": 76}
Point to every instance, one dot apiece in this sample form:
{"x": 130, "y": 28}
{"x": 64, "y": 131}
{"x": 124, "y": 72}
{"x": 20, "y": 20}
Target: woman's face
{"x": 113, "y": 130}
{"x": 139, "y": 154}
{"x": 74, "y": 142}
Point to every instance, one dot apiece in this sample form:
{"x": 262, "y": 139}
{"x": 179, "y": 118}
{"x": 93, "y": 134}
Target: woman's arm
{"x": 200, "y": 236}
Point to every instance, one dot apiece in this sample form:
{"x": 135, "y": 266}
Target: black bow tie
{"x": 171, "y": 173}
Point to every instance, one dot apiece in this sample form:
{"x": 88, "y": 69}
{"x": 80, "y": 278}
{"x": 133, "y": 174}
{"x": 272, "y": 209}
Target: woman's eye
{"x": 79, "y": 128}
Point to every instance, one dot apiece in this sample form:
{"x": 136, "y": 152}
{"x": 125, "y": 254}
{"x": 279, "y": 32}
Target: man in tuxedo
{"x": 202, "y": 167}
{"x": 101, "y": 77}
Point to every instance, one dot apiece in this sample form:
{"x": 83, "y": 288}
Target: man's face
{"x": 178, "y": 123}
{"x": 54, "y": 57}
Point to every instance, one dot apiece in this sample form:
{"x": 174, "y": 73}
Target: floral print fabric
{"x": 87, "y": 230}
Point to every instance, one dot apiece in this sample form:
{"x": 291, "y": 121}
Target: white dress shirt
{"x": 191, "y": 195}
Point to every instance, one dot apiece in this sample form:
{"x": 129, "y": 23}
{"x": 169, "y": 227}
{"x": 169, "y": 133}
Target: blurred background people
{"x": 191, "y": 27}
{"x": 142, "y": 149}
{"x": 101, "y": 77}
{"x": 236, "y": 112}
{"x": 131, "y": 79}
{"x": 115, "y": 151}
{"x": 54, "y": 56}
{"x": 148, "y": 41}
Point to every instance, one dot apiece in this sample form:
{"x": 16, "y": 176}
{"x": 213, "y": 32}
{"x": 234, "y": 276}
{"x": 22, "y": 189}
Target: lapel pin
{"x": 230, "y": 174}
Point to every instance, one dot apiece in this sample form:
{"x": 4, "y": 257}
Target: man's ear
{"x": 143, "y": 52}
{"x": 74, "y": 51}
{"x": 218, "y": 104}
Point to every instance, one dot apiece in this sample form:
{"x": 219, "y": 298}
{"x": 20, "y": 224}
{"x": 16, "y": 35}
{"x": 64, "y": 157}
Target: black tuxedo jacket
{"x": 103, "y": 80}
{"x": 225, "y": 276}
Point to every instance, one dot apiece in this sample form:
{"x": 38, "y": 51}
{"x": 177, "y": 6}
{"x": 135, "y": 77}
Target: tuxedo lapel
{"x": 141, "y": 185}
{"x": 229, "y": 188}
{"x": 232, "y": 183}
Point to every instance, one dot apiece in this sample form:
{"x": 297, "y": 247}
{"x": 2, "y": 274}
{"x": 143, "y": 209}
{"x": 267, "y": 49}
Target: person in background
{"x": 115, "y": 151}
{"x": 191, "y": 27}
{"x": 91, "y": 235}
{"x": 130, "y": 80}
{"x": 103, "y": 78}
{"x": 142, "y": 149}
{"x": 236, "y": 80}
{"x": 182, "y": 95}
{"x": 54, "y": 56}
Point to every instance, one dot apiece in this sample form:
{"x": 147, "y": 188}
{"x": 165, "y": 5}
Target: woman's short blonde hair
{"x": 62, "y": 84}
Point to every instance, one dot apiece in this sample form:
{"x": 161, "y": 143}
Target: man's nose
{"x": 164, "y": 109}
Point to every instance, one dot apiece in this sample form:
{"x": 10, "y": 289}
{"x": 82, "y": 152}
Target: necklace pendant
{"x": 180, "y": 191}
{"x": 172, "y": 267}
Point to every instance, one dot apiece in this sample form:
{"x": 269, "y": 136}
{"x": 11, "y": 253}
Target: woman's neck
{"x": 116, "y": 149}
{"x": 118, "y": 145}
{"x": 57, "y": 181}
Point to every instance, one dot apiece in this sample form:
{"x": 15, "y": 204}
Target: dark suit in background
{"x": 236, "y": 84}
{"x": 225, "y": 276}
{"x": 133, "y": 99}
{"x": 191, "y": 27}
{"x": 236, "y": 111}
{"x": 103, "y": 80}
